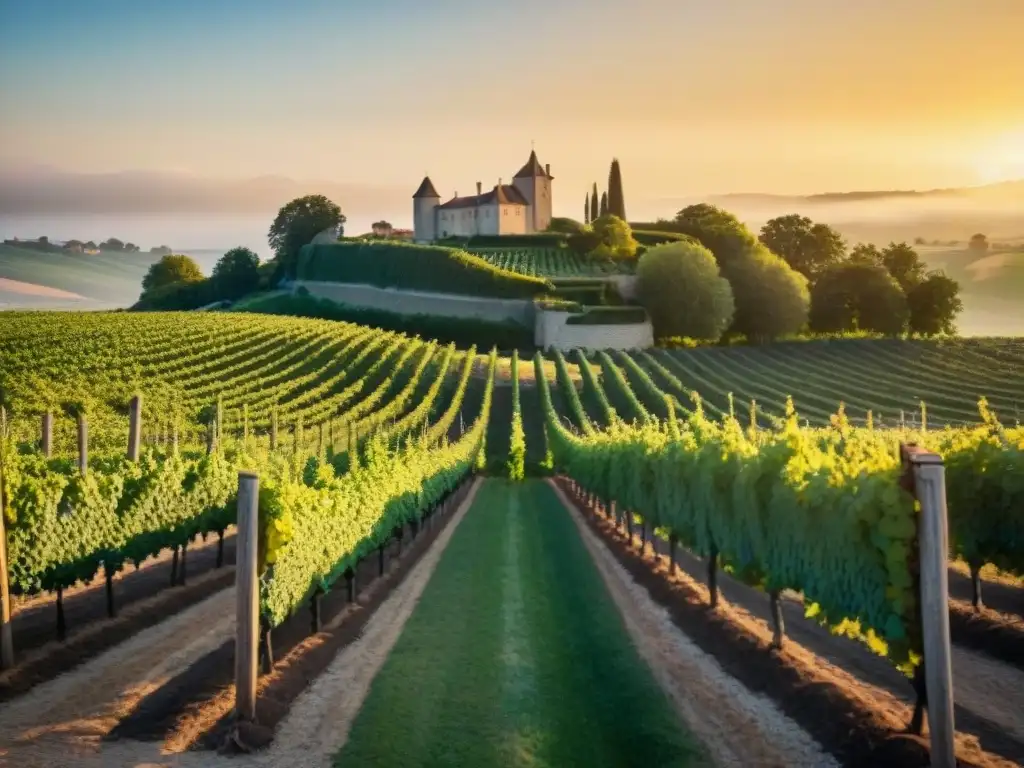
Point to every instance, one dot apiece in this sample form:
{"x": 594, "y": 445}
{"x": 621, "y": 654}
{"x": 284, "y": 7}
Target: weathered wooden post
{"x": 134, "y": 427}
{"x": 47, "y": 440}
{"x": 83, "y": 444}
{"x": 928, "y": 476}
{"x": 6, "y": 634}
{"x": 247, "y": 597}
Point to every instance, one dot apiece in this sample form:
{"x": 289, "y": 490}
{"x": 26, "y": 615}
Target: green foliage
{"x": 654, "y": 237}
{"x": 616, "y": 198}
{"x": 858, "y": 296}
{"x": 903, "y": 263}
{"x": 297, "y": 223}
{"x": 772, "y": 300}
{"x": 414, "y": 267}
{"x": 594, "y": 212}
{"x": 550, "y": 239}
{"x": 609, "y": 316}
{"x": 463, "y": 332}
{"x": 680, "y": 286}
{"x": 566, "y": 226}
{"x": 807, "y": 247}
{"x": 603, "y": 210}
{"x": 175, "y": 268}
{"x": 594, "y": 393}
{"x": 567, "y": 388}
{"x": 516, "y": 465}
{"x": 557, "y": 264}
{"x": 773, "y": 504}
{"x": 614, "y": 239}
{"x": 176, "y": 297}
{"x": 619, "y": 393}
{"x": 236, "y": 274}
{"x": 934, "y": 304}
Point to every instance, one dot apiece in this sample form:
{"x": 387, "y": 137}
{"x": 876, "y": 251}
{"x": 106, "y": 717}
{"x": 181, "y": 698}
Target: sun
{"x": 1003, "y": 159}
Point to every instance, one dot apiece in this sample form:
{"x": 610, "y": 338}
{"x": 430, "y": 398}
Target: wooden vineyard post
{"x": 83, "y": 444}
{"x": 134, "y": 427}
{"x": 6, "y": 634}
{"x": 47, "y": 438}
{"x": 247, "y": 597}
{"x": 928, "y": 476}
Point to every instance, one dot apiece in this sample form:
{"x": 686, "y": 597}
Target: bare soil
{"x": 852, "y": 702}
{"x": 735, "y": 726}
{"x": 34, "y": 617}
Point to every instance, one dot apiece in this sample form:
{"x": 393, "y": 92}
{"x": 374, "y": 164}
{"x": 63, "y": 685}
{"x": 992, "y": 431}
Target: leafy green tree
{"x": 296, "y": 225}
{"x": 174, "y": 268}
{"x": 866, "y": 253}
{"x": 978, "y": 243}
{"x": 616, "y": 200}
{"x": 586, "y": 210}
{"x": 772, "y": 299}
{"x": 807, "y": 247}
{"x": 236, "y": 274}
{"x": 593, "y": 204}
{"x": 614, "y": 239}
{"x": 113, "y": 244}
{"x": 160, "y": 250}
{"x": 904, "y": 265}
{"x": 680, "y": 286}
{"x": 934, "y": 304}
{"x": 858, "y": 296}
{"x": 89, "y": 246}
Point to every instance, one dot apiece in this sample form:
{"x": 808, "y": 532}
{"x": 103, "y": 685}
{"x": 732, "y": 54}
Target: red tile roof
{"x": 505, "y": 194}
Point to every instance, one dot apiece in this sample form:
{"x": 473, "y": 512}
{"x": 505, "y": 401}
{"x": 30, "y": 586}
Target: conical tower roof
{"x": 532, "y": 169}
{"x": 426, "y": 189}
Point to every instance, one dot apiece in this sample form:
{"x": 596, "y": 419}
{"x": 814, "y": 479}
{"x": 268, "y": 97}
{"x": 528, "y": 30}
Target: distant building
{"x": 522, "y": 207}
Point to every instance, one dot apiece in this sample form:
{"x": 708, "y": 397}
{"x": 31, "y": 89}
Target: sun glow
{"x": 1004, "y": 160}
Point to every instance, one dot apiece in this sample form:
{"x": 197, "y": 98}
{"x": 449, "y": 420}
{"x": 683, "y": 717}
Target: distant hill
{"x": 42, "y": 190}
{"x": 1004, "y": 190}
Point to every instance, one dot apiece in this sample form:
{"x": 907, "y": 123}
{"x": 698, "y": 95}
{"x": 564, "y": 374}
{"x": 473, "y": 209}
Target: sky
{"x": 787, "y": 96}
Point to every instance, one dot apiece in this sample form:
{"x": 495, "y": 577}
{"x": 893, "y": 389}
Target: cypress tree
{"x": 616, "y": 201}
{"x": 604, "y": 203}
{"x": 593, "y": 204}
{"x": 586, "y": 209}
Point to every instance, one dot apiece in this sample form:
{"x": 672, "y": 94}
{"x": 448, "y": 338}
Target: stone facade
{"x": 522, "y": 207}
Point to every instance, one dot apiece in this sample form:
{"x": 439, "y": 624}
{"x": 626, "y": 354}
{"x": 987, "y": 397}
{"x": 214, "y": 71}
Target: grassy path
{"x": 516, "y": 656}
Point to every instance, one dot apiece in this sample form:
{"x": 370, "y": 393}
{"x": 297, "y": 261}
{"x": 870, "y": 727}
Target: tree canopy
{"x": 173, "y": 268}
{"x": 680, "y": 286}
{"x": 616, "y": 198}
{"x": 978, "y": 243}
{"x": 807, "y": 247}
{"x": 593, "y": 204}
{"x": 934, "y": 304}
{"x": 236, "y": 274}
{"x": 565, "y": 225}
{"x": 613, "y": 239}
{"x": 296, "y": 225}
{"x": 858, "y": 296}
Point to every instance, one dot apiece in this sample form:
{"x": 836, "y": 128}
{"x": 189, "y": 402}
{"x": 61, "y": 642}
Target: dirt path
{"x": 989, "y": 694}
{"x": 62, "y": 722}
{"x": 737, "y": 727}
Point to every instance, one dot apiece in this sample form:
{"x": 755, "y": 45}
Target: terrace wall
{"x": 552, "y": 331}
{"x": 422, "y": 302}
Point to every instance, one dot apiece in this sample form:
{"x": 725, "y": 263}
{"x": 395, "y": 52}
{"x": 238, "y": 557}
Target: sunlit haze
{"x": 794, "y": 96}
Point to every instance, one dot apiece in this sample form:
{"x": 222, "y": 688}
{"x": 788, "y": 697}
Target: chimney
{"x": 499, "y": 182}
{"x": 456, "y": 193}
{"x": 479, "y": 188}
{"x": 547, "y": 169}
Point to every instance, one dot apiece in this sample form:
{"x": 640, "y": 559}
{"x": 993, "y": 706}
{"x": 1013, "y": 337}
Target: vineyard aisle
{"x": 517, "y": 655}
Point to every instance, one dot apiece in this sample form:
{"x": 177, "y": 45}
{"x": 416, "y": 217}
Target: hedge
{"x": 610, "y": 316}
{"x": 463, "y": 332}
{"x": 651, "y": 237}
{"x": 391, "y": 264}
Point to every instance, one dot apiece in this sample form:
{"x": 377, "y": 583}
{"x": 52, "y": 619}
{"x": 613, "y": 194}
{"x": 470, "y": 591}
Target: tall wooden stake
{"x": 247, "y": 597}
{"x": 134, "y": 427}
{"x": 929, "y": 481}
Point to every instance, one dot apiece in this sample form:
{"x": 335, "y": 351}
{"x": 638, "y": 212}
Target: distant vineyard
{"x": 551, "y": 263}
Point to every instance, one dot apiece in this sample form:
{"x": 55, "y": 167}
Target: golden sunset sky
{"x": 784, "y": 96}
